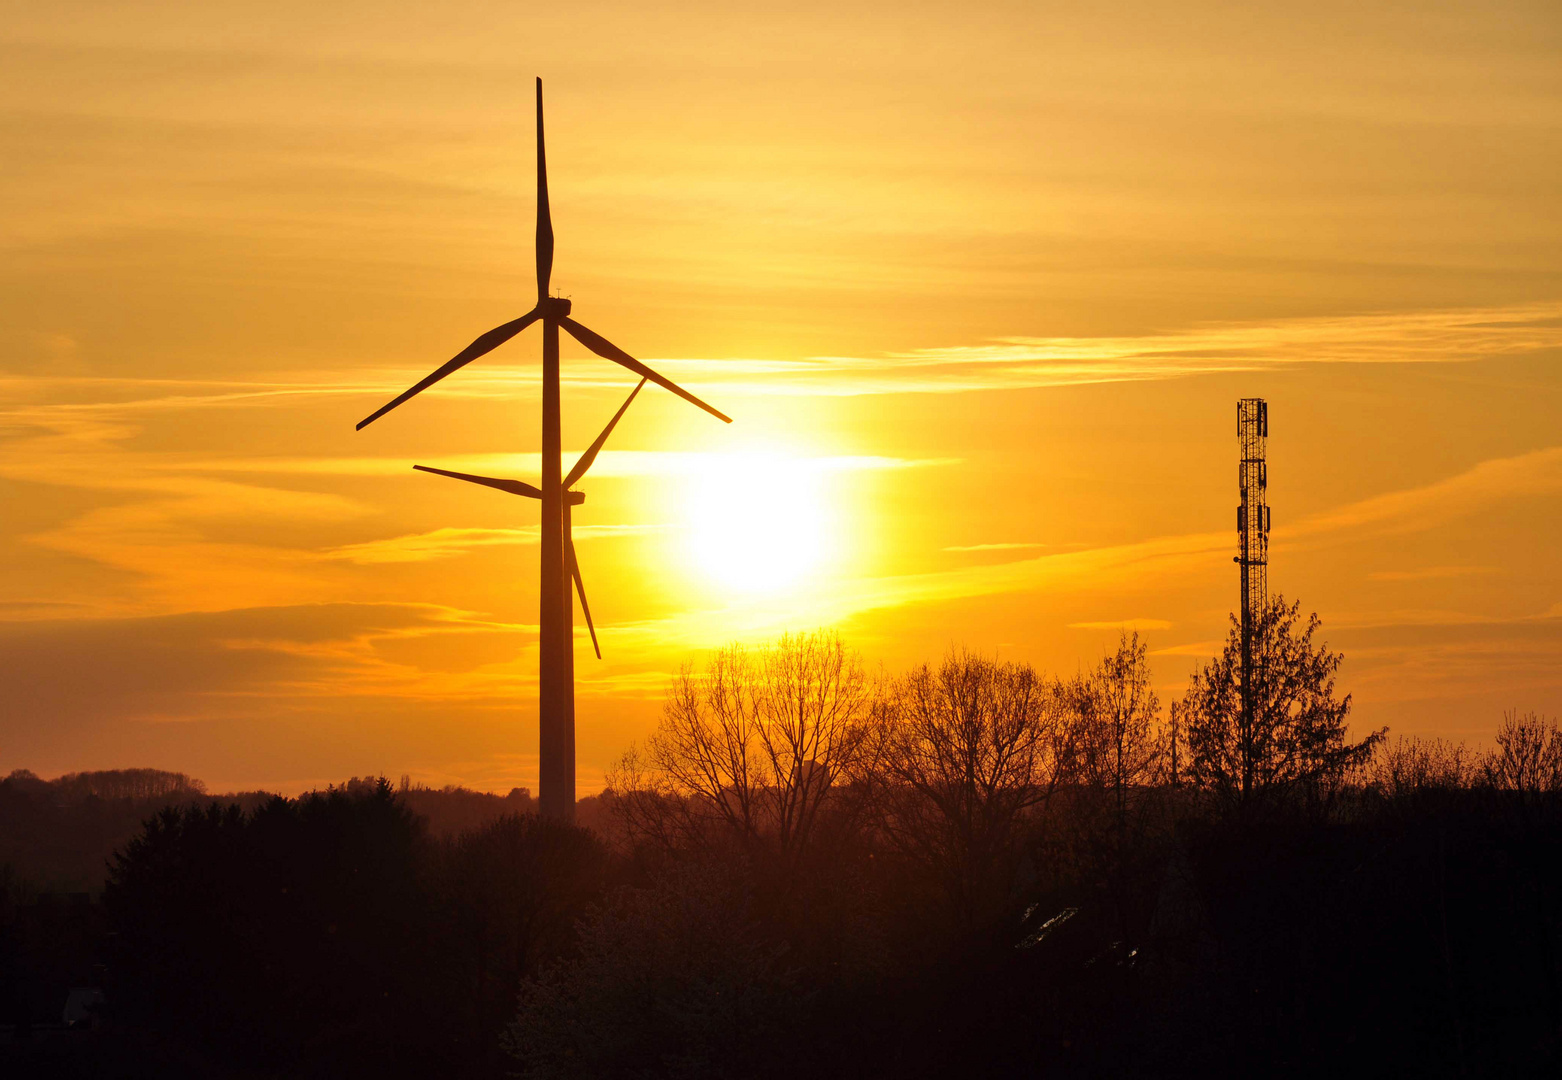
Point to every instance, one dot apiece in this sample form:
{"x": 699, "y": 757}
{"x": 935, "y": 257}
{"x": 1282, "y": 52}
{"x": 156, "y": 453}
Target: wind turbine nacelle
{"x": 574, "y": 498}
{"x": 554, "y": 307}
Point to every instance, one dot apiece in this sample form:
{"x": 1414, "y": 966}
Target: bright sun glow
{"x": 758, "y": 522}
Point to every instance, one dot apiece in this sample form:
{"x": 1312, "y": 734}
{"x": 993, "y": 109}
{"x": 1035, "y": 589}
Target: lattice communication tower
{"x": 1253, "y": 521}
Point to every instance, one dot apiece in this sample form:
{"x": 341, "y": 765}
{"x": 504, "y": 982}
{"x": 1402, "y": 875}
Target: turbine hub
{"x": 554, "y": 307}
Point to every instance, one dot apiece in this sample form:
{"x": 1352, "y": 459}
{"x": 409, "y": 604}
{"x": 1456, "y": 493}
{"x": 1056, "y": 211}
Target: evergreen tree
{"x": 1295, "y": 738}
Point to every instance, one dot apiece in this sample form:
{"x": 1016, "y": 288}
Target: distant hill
{"x": 451, "y": 810}
{"x": 59, "y": 835}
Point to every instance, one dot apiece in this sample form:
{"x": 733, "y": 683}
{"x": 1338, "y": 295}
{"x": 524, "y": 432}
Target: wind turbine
{"x": 556, "y": 659}
{"x": 571, "y": 498}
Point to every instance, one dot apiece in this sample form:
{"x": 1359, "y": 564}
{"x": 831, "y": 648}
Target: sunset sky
{"x": 979, "y": 284}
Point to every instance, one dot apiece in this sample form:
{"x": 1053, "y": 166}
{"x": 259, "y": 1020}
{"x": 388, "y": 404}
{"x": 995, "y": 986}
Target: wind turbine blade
{"x": 590, "y": 455}
{"x": 580, "y": 586}
{"x": 484, "y": 344}
{"x": 608, "y": 351}
{"x": 514, "y": 487}
{"x": 544, "y": 214}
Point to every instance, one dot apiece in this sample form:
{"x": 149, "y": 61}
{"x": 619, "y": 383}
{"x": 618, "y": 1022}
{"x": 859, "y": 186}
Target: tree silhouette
{"x": 1294, "y": 738}
{"x": 274, "y": 935}
{"x": 1117, "y": 744}
{"x": 1409, "y": 765}
{"x": 1528, "y": 757}
{"x": 962, "y": 753}
{"x": 753, "y": 745}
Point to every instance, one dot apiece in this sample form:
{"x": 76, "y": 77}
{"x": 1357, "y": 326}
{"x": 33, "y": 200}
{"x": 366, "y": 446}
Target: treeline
{"x": 332, "y": 933}
{"x": 58, "y": 836}
{"x": 966, "y": 869}
{"x": 58, "y": 840}
{"x": 975, "y": 869}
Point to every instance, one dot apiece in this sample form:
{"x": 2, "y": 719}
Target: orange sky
{"x": 979, "y": 284}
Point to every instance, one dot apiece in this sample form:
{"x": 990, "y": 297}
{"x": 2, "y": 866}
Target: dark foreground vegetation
{"x": 968, "y": 870}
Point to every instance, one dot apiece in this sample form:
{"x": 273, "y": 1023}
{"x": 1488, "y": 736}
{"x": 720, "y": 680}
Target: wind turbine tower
{"x": 556, "y": 645}
{"x": 1253, "y": 522}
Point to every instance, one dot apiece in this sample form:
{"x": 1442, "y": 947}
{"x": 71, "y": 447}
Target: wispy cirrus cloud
{"x": 446, "y": 543}
{"x": 1432, "y": 573}
{"x": 1434, "y": 617}
{"x": 1005, "y": 546}
{"x": 1384, "y": 337}
{"x": 1538, "y": 473}
{"x": 1198, "y": 649}
{"x": 1371, "y": 338}
{"x": 427, "y": 546}
{"x": 1013, "y": 363}
{"x": 614, "y": 463}
{"x": 187, "y": 530}
{"x": 1414, "y": 337}
{"x": 1123, "y": 624}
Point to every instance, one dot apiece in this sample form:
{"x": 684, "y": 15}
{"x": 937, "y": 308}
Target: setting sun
{"x": 757, "y": 522}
